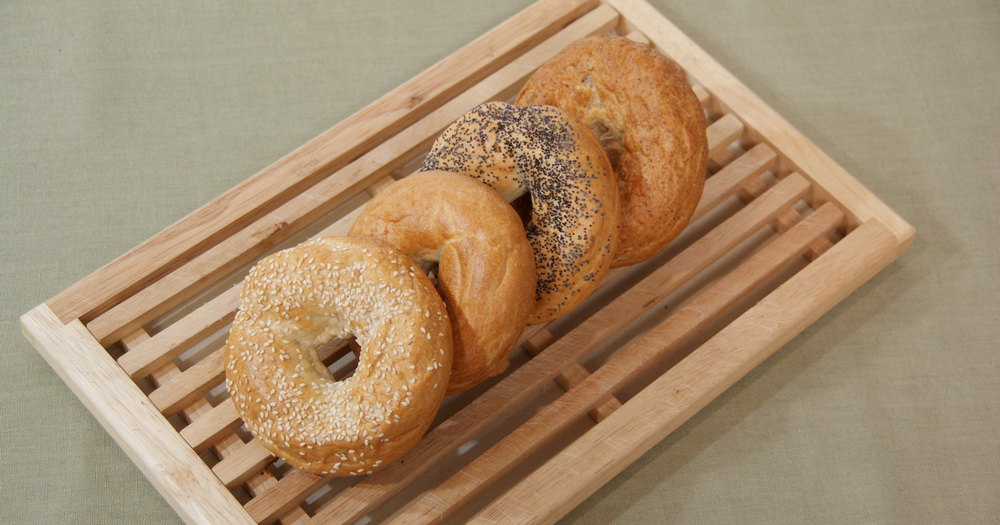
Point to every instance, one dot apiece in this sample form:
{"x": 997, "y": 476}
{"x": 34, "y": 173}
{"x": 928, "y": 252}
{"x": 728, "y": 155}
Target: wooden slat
{"x": 675, "y": 396}
{"x": 183, "y": 479}
{"x": 722, "y": 133}
{"x": 514, "y": 388}
{"x": 191, "y": 384}
{"x": 212, "y": 426}
{"x": 701, "y": 93}
{"x": 243, "y": 245}
{"x": 182, "y": 335}
{"x": 243, "y": 464}
{"x": 317, "y": 158}
{"x": 737, "y": 173}
{"x": 573, "y": 376}
{"x": 293, "y": 488}
{"x": 442, "y": 501}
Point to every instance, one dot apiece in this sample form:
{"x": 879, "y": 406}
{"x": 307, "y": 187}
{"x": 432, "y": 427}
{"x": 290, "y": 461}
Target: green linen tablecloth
{"x": 118, "y": 118}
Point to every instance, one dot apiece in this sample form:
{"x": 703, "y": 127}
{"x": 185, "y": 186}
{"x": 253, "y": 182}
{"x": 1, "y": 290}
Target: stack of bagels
{"x": 515, "y": 215}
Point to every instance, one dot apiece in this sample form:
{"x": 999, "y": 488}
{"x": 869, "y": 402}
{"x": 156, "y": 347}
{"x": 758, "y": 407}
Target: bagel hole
{"x": 431, "y": 269}
{"x": 522, "y": 205}
{"x": 428, "y": 261}
{"x": 612, "y": 142}
{"x": 340, "y": 356}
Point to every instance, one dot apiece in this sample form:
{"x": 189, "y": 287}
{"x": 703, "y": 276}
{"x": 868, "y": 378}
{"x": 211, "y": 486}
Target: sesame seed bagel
{"x": 304, "y": 297}
{"x": 642, "y": 108}
{"x": 485, "y": 267}
{"x": 573, "y": 226}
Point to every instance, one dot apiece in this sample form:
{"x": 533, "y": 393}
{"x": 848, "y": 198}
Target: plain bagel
{"x": 642, "y": 108}
{"x": 484, "y": 264}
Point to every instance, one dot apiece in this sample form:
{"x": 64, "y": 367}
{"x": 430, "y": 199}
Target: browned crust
{"x": 301, "y": 298}
{"x": 641, "y": 104}
{"x": 573, "y": 228}
{"x": 486, "y": 270}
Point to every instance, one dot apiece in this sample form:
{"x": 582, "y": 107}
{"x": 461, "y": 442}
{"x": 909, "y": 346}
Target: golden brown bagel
{"x": 641, "y": 106}
{"x": 485, "y": 267}
{"x": 537, "y": 150}
{"x": 301, "y": 298}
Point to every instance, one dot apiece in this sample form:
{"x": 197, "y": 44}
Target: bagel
{"x": 642, "y": 108}
{"x": 573, "y": 225}
{"x": 301, "y": 298}
{"x": 485, "y": 267}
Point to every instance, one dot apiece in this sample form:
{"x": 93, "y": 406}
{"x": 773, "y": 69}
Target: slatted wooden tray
{"x": 781, "y": 235}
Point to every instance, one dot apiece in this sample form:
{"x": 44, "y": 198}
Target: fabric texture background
{"x": 117, "y": 119}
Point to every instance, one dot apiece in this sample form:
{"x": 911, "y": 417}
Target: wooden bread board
{"x": 781, "y": 235}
